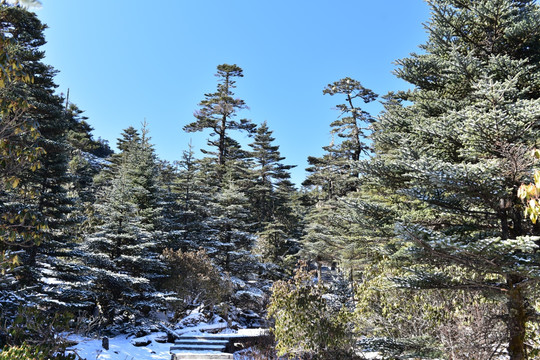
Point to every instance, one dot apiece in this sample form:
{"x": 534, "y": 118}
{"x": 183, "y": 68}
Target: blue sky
{"x": 126, "y": 61}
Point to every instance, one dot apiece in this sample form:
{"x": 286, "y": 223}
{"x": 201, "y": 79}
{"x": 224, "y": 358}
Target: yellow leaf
{"x": 522, "y": 192}
{"x": 537, "y": 178}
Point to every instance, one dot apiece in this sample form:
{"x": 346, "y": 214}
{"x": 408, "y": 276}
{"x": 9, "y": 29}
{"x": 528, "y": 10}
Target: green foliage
{"x": 334, "y": 174}
{"x": 426, "y": 323}
{"x": 218, "y": 110}
{"x": 33, "y": 326}
{"x": 27, "y": 352}
{"x": 330, "y": 233}
{"x": 35, "y": 334}
{"x": 36, "y": 208}
{"x": 122, "y": 253}
{"x": 454, "y": 149}
{"x": 271, "y": 196}
{"x": 19, "y": 151}
{"x": 274, "y": 245}
{"x": 305, "y": 324}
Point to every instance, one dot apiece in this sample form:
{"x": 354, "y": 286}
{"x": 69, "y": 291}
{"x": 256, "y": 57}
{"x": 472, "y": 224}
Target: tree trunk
{"x": 222, "y": 150}
{"x": 517, "y": 317}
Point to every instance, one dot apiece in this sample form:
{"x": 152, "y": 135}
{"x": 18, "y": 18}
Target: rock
{"x": 141, "y": 342}
{"x": 105, "y": 343}
{"x": 162, "y": 339}
{"x": 142, "y": 331}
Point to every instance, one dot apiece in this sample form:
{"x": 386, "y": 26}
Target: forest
{"x": 414, "y": 235}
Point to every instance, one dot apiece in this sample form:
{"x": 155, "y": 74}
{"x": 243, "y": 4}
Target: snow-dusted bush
{"x": 195, "y": 279}
{"x": 305, "y": 323}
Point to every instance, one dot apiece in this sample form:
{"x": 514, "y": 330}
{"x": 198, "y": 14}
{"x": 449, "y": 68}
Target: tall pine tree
{"x": 218, "y": 111}
{"x": 335, "y": 175}
{"x": 270, "y": 194}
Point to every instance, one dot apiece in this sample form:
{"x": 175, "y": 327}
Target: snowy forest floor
{"x": 122, "y": 347}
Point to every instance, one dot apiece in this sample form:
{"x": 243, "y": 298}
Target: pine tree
{"x": 268, "y": 173}
{"x": 18, "y": 152}
{"x": 270, "y": 194}
{"x": 50, "y": 205}
{"x": 170, "y": 203}
{"x": 352, "y": 123}
{"x": 194, "y": 186}
{"x": 335, "y": 176}
{"x": 232, "y": 240}
{"x": 87, "y": 159}
{"x": 218, "y": 111}
{"x": 123, "y": 253}
{"x": 453, "y": 149}
{"x": 334, "y": 173}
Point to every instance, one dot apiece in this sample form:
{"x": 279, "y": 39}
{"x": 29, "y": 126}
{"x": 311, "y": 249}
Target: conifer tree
{"x": 334, "y": 173}
{"x": 268, "y": 173}
{"x": 122, "y": 254}
{"x": 218, "y": 111}
{"x": 270, "y": 196}
{"x": 87, "y": 159}
{"x": 453, "y": 149}
{"x": 170, "y": 203}
{"x": 18, "y": 152}
{"x": 194, "y": 187}
{"x": 231, "y": 244}
{"x": 50, "y": 206}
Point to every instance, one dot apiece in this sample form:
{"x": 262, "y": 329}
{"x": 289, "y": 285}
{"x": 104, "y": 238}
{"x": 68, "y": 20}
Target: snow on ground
{"x": 121, "y": 348}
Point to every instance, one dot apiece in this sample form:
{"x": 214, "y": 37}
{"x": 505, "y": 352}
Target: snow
{"x": 199, "y": 329}
{"x": 121, "y": 348}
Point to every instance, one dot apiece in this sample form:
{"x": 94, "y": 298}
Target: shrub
{"x": 305, "y": 325}
{"x": 195, "y": 279}
{"x": 33, "y": 334}
{"x": 28, "y": 352}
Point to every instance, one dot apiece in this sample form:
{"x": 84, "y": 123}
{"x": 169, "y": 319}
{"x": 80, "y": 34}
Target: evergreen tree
{"x": 195, "y": 186}
{"x": 218, "y": 111}
{"x": 170, "y": 203}
{"x": 50, "y": 205}
{"x": 453, "y": 149}
{"x": 352, "y": 122}
{"x": 123, "y": 253}
{"x": 18, "y": 152}
{"x": 231, "y": 243}
{"x": 334, "y": 174}
{"x": 268, "y": 174}
{"x": 129, "y": 137}
{"x": 270, "y": 194}
{"x": 87, "y": 159}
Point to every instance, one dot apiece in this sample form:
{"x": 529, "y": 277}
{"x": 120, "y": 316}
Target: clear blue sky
{"x": 125, "y": 61}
